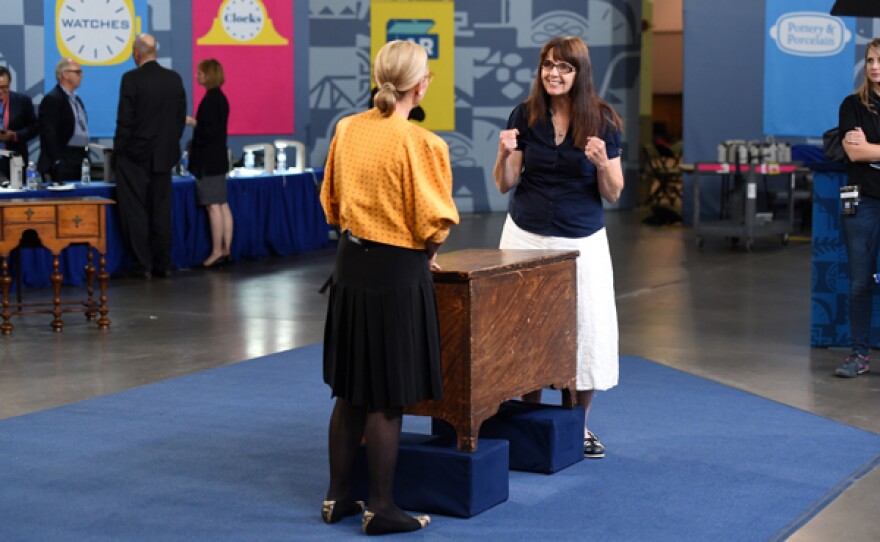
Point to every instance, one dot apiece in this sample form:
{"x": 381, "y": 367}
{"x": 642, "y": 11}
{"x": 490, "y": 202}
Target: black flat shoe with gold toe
{"x": 333, "y": 511}
{"x": 376, "y": 525}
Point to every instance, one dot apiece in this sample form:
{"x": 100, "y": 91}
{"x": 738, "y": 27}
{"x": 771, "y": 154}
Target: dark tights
{"x": 381, "y": 428}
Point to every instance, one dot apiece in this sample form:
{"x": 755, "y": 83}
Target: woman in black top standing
{"x": 209, "y": 160}
{"x": 560, "y": 159}
{"x": 860, "y": 124}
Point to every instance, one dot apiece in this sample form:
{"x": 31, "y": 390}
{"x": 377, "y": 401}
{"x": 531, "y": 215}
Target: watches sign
{"x": 98, "y": 35}
{"x": 94, "y": 24}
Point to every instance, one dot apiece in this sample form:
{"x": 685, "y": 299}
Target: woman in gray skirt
{"x": 209, "y": 159}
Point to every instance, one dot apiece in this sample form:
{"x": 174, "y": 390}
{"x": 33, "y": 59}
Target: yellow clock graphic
{"x": 242, "y": 22}
{"x": 96, "y": 32}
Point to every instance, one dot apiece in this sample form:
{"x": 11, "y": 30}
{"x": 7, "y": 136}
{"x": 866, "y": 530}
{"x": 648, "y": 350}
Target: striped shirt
{"x": 389, "y": 181}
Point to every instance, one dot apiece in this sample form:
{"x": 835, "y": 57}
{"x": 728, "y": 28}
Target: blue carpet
{"x": 239, "y": 453}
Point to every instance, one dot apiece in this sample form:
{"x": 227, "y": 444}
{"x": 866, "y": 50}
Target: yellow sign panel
{"x": 431, "y": 24}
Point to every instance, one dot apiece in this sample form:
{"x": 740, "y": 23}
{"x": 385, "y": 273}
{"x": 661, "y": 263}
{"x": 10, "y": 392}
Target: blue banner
{"x": 98, "y": 34}
{"x": 809, "y": 58}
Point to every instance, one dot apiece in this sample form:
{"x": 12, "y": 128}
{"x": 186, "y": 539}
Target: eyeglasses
{"x": 78, "y": 72}
{"x": 429, "y": 76}
{"x": 563, "y": 68}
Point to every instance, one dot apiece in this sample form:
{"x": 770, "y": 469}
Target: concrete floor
{"x": 739, "y": 318}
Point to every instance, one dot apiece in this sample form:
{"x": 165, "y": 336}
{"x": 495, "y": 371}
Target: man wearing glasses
{"x": 18, "y": 122}
{"x": 64, "y": 127}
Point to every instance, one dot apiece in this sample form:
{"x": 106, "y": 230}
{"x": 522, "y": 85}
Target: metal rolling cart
{"x": 740, "y": 220}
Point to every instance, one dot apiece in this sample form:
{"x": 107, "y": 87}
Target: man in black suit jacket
{"x": 149, "y": 123}
{"x": 64, "y": 129}
{"x": 18, "y": 122}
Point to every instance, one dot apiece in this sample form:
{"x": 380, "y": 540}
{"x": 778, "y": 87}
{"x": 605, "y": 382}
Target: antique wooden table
{"x": 55, "y": 223}
{"x": 508, "y": 326}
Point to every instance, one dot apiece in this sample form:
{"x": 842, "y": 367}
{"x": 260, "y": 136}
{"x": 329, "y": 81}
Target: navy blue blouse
{"x": 558, "y": 190}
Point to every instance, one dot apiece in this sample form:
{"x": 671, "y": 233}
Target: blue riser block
{"x": 543, "y": 438}
{"x": 433, "y": 476}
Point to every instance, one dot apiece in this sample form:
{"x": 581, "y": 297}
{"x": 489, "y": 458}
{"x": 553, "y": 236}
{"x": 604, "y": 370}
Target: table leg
{"x": 103, "y": 277}
{"x": 19, "y": 278}
{"x": 91, "y": 310}
{"x": 5, "y": 284}
{"x": 569, "y": 397}
{"x": 467, "y": 437}
{"x": 56, "y": 279}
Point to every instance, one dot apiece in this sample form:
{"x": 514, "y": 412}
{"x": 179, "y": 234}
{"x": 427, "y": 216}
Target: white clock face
{"x": 243, "y": 20}
{"x": 95, "y": 32}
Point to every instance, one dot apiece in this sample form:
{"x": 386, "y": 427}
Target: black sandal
{"x": 331, "y": 513}
{"x": 593, "y": 449}
{"x": 376, "y": 525}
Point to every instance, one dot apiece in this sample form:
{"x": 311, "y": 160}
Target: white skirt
{"x": 597, "y": 351}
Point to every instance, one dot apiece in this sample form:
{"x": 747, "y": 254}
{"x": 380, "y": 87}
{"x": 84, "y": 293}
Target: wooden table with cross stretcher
{"x": 55, "y": 223}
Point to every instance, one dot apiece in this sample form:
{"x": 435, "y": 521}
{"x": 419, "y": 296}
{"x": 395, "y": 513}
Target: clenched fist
{"x": 507, "y": 140}
{"x": 595, "y": 151}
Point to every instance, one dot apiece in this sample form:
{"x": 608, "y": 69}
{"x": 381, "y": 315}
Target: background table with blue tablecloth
{"x": 274, "y": 215}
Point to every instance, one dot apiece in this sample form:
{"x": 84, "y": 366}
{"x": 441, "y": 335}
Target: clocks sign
{"x": 242, "y": 19}
{"x": 240, "y": 22}
{"x": 253, "y": 40}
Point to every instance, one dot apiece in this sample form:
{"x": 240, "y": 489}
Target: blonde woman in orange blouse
{"x": 388, "y": 186}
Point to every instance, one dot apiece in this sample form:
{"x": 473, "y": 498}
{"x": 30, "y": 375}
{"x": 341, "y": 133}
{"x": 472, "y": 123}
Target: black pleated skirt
{"x": 381, "y": 337}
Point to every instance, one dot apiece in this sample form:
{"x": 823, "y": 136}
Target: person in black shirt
{"x": 860, "y": 124}
{"x": 209, "y": 160}
{"x": 146, "y": 145}
{"x": 64, "y": 129}
{"x": 18, "y": 121}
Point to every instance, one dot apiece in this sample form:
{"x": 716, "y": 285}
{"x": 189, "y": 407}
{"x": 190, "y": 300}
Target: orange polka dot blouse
{"x": 388, "y": 180}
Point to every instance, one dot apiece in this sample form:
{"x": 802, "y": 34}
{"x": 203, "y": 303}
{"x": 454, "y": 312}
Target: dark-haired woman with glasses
{"x": 560, "y": 157}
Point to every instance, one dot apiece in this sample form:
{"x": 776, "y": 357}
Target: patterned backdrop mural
{"x": 497, "y": 43}
{"x": 496, "y": 47}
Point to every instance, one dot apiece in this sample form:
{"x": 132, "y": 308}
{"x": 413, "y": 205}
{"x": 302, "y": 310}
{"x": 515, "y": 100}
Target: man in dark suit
{"x": 149, "y": 123}
{"x": 18, "y": 122}
{"x": 64, "y": 128}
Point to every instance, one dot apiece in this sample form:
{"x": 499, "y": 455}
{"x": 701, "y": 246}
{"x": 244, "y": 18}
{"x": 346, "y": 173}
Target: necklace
{"x": 558, "y": 125}
{"x": 560, "y": 135}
